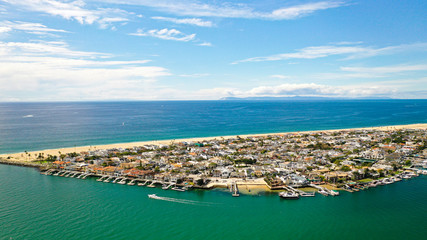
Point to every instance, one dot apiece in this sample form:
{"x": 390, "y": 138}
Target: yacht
{"x": 324, "y": 192}
{"x": 289, "y": 195}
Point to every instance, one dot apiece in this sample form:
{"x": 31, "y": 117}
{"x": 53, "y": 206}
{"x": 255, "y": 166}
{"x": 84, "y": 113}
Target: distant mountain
{"x": 296, "y": 98}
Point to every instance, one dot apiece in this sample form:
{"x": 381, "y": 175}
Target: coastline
{"x": 23, "y": 158}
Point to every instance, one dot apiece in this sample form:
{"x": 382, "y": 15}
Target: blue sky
{"x": 61, "y": 50}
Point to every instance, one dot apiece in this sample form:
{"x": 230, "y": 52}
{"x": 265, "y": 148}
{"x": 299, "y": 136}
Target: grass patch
{"x": 366, "y": 180}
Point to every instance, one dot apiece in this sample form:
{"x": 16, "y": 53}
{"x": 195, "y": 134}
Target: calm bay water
{"x": 34, "y": 206}
{"x": 37, "y": 126}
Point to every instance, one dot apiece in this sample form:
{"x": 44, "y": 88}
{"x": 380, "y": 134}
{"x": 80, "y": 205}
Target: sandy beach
{"x": 31, "y": 156}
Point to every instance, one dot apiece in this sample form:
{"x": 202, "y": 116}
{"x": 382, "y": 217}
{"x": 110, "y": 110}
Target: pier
{"x": 234, "y": 190}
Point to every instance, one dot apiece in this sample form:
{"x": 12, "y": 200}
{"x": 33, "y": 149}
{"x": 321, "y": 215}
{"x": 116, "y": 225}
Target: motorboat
{"x": 289, "y": 195}
{"x": 153, "y": 196}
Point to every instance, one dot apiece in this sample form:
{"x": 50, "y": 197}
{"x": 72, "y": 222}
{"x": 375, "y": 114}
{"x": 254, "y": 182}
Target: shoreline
{"x": 29, "y": 157}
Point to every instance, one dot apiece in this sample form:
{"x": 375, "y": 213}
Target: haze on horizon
{"x": 86, "y": 50}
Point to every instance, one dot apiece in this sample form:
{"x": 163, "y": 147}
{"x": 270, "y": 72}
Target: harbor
{"x": 288, "y": 193}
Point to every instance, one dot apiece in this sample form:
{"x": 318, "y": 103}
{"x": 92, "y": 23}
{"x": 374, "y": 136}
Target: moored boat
{"x": 289, "y": 195}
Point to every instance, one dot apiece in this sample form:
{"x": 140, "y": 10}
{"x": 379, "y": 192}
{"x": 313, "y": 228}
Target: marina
{"x": 289, "y": 193}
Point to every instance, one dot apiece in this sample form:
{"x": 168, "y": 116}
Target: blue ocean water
{"x": 37, "y": 126}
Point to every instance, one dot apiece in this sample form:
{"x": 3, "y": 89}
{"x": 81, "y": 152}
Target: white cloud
{"x": 72, "y": 10}
{"x": 190, "y": 21}
{"x": 355, "y": 51}
{"x": 195, "y": 75}
{"x": 307, "y": 89}
{"x": 35, "y": 28}
{"x": 301, "y": 10}
{"x": 205, "y": 44}
{"x": 387, "y": 69}
{"x": 5, "y": 29}
{"x": 279, "y": 76}
{"x": 36, "y": 71}
{"x": 230, "y": 10}
{"x": 166, "y": 34}
{"x": 42, "y": 48}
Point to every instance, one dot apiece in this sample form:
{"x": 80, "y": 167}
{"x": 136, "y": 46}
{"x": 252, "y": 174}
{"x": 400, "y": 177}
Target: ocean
{"x": 35, "y": 206}
{"x": 38, "y": 126}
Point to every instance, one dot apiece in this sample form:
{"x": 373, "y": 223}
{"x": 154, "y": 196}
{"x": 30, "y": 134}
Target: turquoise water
{"x": 34, "y": 206}
{"x": 37, "y": 126}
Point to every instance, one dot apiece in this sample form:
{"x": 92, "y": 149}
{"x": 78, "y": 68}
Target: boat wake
{"x": 178, "y": 200}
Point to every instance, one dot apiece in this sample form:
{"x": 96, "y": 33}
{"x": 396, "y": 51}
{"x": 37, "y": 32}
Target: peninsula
{"x": 347, "y": 159}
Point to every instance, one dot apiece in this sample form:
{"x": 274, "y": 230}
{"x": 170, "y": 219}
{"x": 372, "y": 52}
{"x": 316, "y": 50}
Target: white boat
{"x": 388, "y": 181}
{"x": 123, "y": 181}
{"x": 406, "y": 176}
{"x": 334, "y": 193}
{"x": 307, "y": 194}
{"x": 323, "y": 192}
{"x": 380, "y": 182}
{"x": 153, "y": 196}
{"x": 289, "y": 195}
{"x": 178, "y": 189}
{"x": 165, "y": 187}
{"x": 372, "y": 184}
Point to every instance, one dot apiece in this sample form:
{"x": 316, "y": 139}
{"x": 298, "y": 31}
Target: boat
{"x": 406, "y": 176}
{"x": 334, "y": 193}
{"x": 123, "y": 181}
{"x": 388, "y": 181}
{"x": 165, "y": 187}
{"x": 307, "y": 194}
{"x": 142, "y": 184}
{"x": 323, "y": 192}
{"x": 178, "y": 189}
{"x": 396, "y": 178}
{"x": 153, "y": 196}
{"x": 289, "y": 195}
{"x": 372, "y": 184}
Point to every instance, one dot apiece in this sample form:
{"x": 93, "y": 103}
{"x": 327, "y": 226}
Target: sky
{"x": 97, "y": 50}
